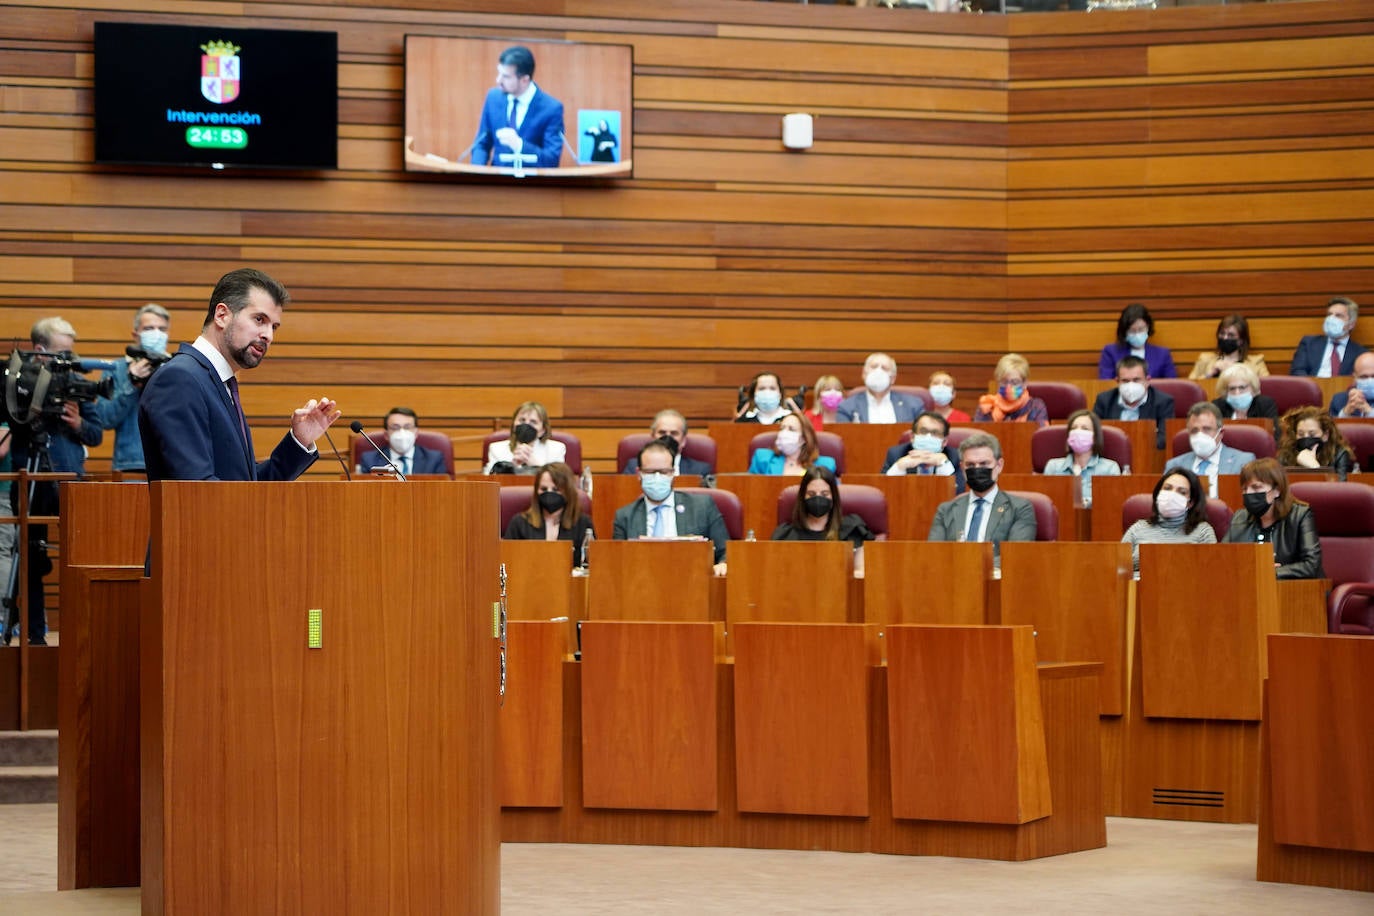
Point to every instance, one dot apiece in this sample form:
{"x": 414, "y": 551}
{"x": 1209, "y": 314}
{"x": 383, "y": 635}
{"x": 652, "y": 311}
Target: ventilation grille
{"x": 1190, "y": 798}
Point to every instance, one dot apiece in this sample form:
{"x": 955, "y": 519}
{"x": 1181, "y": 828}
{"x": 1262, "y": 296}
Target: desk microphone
{"x": 348, "y": 473}
{"x": 357, "y": 427}
{"x": 468, "y": 152}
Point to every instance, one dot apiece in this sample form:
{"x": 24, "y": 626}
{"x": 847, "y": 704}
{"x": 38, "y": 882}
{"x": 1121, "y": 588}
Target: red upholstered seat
{"x": 1046, "y": 514}
{"x": 731, "y": 509}
{"x": 698, "y": 446}
{"x": 1185, "y": 393}
{"x": 1061, "y": 398}
{"x": 1344, "y": 513}
{"x": 1360, "y": 435}
{"x": 573, "y": 459}
{"x": 957, "y": 434}
{"x": 1350, "y": 611}
{"x": 435, "y": 442}
{"x": 1139, "y": 505}
{"x": 868, "y": 503}
{"x": 830, "y": 445}
{"x": 1289, "y": 391}
{"x": 1052, "y": 442}
{"x": 1253, "y": 439}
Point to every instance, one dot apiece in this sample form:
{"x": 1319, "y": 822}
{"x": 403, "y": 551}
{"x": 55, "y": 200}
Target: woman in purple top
{"x": 1132, "y": 330}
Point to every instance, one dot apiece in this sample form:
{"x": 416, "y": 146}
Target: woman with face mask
{"x": 765, "y": 402}
{"x": 941, "y": 390}
{"x": 1178, "y": 515}
{"x": 1272, "y": 516}
{"x": 555, "y": 511}
{"x": 529, "y": 445}
{"x": 794, "y": 450}
{"x": 1238, "y": 396}
{"x": 817, "y": 515}
{"x": 1084, "y": 458}
{"x": 829, "y": 392}
{"x": 1012, "y": 402}
{"x": 1311, "y": 440}
{"x": 1133, "y": 330}
{"x": 1233, "y": 348}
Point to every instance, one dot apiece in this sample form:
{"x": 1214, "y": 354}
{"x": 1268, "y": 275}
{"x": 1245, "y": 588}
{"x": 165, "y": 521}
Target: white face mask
{"x": 1137, "y": 339}
{"x": 153, "y": 340}
{"x": 1170, "y": 504}
{"x": 1333, "y": 327}
{"x": 1131, "y": 392}
{"x": 1203, "y": 445}
{"x": 402, "y": 441}
{"x": 788, "y": 442}
{"x": 877, "y": 380}
{"x": 941, "y": 395}
{"x": 925, "y": 442}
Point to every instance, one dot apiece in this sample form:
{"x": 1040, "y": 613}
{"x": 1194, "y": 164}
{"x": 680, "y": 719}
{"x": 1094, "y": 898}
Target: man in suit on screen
{"x": 190, "y": 416}
{"x": 518, "y": 119}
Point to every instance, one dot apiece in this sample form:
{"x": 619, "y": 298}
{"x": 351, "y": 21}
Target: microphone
{"x": 468, "y": 152}
{"x": 348, "y": 474}
{"x": 357, "y": 427}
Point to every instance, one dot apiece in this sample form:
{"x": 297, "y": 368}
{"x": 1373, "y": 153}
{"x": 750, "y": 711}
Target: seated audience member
{"x": 1238, "y": 396}
{"x": 1011, "y": 403}
{"x": 1233, "y": 348}
{"x": 1084, "y": 459}
{"x": 1311, "y": 440}
{"x": 1331, "y": 353}
{"x": 672, "y": 426}
{"x": 817, "y": 515}
{"x": 401, "y": 426}
{"x": 1207, "y": 456}
{"x": 942, "y": 393}
{"x": 1358, "y": 400}
{"x": 877, "y": 403}
{"x": 828, "y": 394}
{"x": 1133, "y": 329}
{"x": 984, "y": 513}
{"x": 555, "y": 512}
{"x": 1272, "y": 516}
{"x": 765, "y": 403}
{"x": 663, "y": 513}
{"x": 1134, "y": 399}
{"x": 1178, "y": 516}
{"x": 928, "y": 452}
{"x": 794, "y": 450}
{"x": 529, "y": 446}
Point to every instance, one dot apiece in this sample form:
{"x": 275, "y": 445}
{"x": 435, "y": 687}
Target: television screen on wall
{"x": 216, "y": 96}
{"x": 518, "y": 108}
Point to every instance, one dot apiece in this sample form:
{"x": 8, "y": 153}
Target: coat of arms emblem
{"x": 220, "y": 72}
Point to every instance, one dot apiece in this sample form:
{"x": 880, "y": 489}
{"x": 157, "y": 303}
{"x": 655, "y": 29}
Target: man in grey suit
{"x": 661, "y": 512}
{"x": 1207, "y": 456}
{"x": 984, "y": 513}
{"x": 877, "y": 403}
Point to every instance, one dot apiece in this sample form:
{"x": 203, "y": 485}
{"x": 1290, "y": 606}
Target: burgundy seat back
{"x": 1061, "y": 398}
{"x": 1344, "y": 513}
{"x": 573, "y": 459}
{"x": 1350, "y": 611}
{"x": 516, "y": 499}
{"x": 918, "y": 391}
{"x": 1360, "y": 435}
{"x": 868, "y": 503}
{"x": 731, "y": 509}
{"x": 435, "y": 442}
{"x": 1052, "y": 442}
{"x": 1253, "y": 439}
{"x": 829, "y": 444}
{"x": 1289, "y": 391}
{"x": 1139, "y": 505}
{"x": 1185, "y": 393}
{"x": 1046, "y": 514}
{"x": 698, "y": 446}
{"x": 958, "y": 434}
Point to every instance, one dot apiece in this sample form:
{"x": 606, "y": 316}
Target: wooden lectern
{"x": 319, "y": 715}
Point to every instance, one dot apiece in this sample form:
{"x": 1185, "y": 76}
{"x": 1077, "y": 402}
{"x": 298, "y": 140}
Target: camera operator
{"x": 68, "y": 436}
{"x": 119, "y": 412}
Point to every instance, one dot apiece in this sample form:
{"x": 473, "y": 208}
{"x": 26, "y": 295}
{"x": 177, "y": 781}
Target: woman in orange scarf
{"x": 1012, "y": 401}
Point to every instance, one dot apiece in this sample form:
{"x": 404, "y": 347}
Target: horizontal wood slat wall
{"x": 978, "y": 183}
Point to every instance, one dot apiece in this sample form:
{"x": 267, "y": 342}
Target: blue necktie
{"x": 1203, "y": 467}
{"x": 233, "y": 384}
{"x": 658, "y": 521}
{"x": 510, "y": 112}
{"x": 405, "y": 465}
{"x": 976, "y": 519}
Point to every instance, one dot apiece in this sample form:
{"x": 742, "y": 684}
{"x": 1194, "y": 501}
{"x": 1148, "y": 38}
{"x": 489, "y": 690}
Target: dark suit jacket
{"x": 854, "y": 409}
{"x": 541, "y": 129}
{"x": 1307, "y": 358}
{"x": 1013, "y": 519}
{"x": 1158, "y": 406}
{"x": 1261, "y": 408}
{"x": 696, "y": 514}
{"x": 688, "y": 467}
{"x": 422, "y": 461}
{"x": 895, "y": 454}
{"x": 1338, "y": 402}
{"x": 520, "y": 529}
{"x": 190, "y": 429}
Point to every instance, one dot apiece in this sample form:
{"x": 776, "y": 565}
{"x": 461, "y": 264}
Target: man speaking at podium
{"x": 518, "y": 119}
{"x": 190, "y": 416}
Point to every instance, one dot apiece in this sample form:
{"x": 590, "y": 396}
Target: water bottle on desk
{"x": 586, "y": 481}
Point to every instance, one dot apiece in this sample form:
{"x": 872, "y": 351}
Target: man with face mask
{"x": 985, "y": 512}
{"x": 1331, "y": 353}
{"x": 1207, "y": 456}
{"x": 671, "y": 426}
{"x": 119, "y": 412}
{"x": 1358, "y": 401}
{"x": 402, "y": 425}
{"x": 1134, "y": 399}
{"x": 877, "y": 403}
{"x": 928, "y": 452}
{"x": 663, "y": 512}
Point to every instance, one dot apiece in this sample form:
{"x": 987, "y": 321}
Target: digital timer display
{"x": 217, "y": 137}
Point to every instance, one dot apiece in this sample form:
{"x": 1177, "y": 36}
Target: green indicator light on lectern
{"x": 216, "y": 137}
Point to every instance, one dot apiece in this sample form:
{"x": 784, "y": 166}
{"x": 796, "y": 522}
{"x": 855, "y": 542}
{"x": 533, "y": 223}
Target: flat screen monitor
{"x": 216, "y": 96}
{"x": 517, "y": 108}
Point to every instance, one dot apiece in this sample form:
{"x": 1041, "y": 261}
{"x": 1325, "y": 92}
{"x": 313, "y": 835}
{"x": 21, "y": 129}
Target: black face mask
{"x": 979, "y": 479}
{"x": 525, "y": 433}
{"x": 818, "y": 506}
{"x": 1256, "y": 504}
{"x": 1227, "y": 344}
{"x": 1307, "y": 442}
{"x": 551, "y": 501}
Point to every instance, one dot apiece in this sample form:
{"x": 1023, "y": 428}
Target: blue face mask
{"x": 1366, "y": 386}
{"x": 925, "y": 442}
{"x": 656, "y": 486}
{"x": 153, "y": 340}
{"x": 1137, "y": 340}
{"x": 1333, "y": 327}
{"x": 1240, "y": 401}
{"x": 767, "y": 400}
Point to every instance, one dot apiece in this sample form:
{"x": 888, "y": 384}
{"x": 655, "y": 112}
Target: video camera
{"x": 38, "y": 383}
